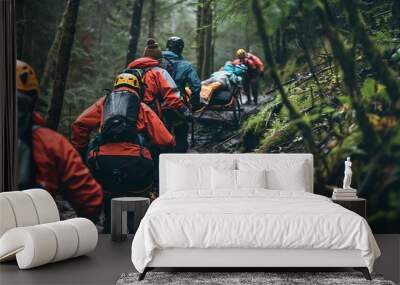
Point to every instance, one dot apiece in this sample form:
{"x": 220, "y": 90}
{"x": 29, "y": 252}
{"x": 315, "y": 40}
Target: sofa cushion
{"x": 23, "y": 208}
{"x": 45, "y": 205}
{"x": 41, "y": 244}
{"x": 67, "y": 240}
{"x": 26, "y": 208}
{"x": 7, "y": 220}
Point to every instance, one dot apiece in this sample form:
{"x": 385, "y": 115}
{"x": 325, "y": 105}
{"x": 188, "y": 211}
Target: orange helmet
{"x": 241, "y": 53}
{"x": 25, "y": 77}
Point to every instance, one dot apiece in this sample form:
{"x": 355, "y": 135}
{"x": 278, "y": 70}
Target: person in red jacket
{"x": 162, "y": 94}
{"x": 46, "y": 159}
{"x": 255, "y": 68}
{"x": 119, "y": 157}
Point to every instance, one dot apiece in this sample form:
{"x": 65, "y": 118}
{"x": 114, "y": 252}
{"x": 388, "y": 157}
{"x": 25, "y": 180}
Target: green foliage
{"x": 372, "y": 91}
{"x": 278, "y": 138}
{"x": 343, "y": 117}
{"x": 256, "y": 123}
{"x": 348, "y": 147}
{"x": 277, "y": 12}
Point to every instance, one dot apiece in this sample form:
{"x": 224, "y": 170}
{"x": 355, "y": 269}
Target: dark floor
{"x": 110, "y": 260}
{"x": 389, "y": 263}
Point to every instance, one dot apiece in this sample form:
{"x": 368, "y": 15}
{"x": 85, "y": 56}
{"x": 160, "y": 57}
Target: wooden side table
{"x": 119, "y": 215}
{"x": 358, "y": 205}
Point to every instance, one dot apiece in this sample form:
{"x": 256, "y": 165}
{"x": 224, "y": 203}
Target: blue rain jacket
{"x": 184, "y": 74}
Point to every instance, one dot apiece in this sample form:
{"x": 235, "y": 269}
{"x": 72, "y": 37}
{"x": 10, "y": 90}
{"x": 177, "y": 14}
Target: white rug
{"x": 243, "y": 278}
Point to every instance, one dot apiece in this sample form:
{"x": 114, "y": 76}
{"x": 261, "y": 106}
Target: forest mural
{"x": 330, "y": 85}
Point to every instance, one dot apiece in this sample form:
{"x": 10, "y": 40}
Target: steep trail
{"x": 217, "y": 131}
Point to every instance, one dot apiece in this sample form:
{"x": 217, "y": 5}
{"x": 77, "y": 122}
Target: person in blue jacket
{"x": 182, "y": 70}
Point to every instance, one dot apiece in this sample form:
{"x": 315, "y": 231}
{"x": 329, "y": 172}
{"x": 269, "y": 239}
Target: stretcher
{"x": 222, "y": 100}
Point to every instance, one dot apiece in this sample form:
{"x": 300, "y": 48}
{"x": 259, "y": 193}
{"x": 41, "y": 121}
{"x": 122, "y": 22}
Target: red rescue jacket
{"x": 59, "y": 166}
{"x": 147, "y": 122}
{"x": 161, "y": 91}
{"x": 253, "y": 62}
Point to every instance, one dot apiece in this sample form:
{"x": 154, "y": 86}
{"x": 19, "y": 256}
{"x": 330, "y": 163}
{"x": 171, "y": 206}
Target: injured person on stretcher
{"x": 224, "y": 80}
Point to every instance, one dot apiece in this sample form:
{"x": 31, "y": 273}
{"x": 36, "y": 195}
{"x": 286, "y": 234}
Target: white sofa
{"x": 31, "y": 231}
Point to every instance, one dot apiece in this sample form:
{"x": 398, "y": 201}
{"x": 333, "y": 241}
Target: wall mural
{"x": 104, "y": 88}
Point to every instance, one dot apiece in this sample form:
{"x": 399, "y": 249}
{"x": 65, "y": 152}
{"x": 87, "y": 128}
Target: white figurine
{"x": 347, "y": 174}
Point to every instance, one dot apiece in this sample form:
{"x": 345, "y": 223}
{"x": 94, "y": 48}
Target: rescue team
{"x": 145, "y": 114}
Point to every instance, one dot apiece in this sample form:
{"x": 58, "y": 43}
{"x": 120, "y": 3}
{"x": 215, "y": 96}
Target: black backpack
{"x": 120, "y": 115}
{"x": 169, "y": 65}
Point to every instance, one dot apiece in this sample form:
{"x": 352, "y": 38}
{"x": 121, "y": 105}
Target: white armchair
{"x": 31, "y": 230}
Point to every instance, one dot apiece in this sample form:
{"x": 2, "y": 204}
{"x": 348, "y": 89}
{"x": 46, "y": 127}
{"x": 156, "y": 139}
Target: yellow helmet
{"x": 241, "y": 53}
{"x": 26, "y": 79}
{"x": 127, "y": 80}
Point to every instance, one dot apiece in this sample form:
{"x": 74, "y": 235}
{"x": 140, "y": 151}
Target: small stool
{"x": 119, "y": 209}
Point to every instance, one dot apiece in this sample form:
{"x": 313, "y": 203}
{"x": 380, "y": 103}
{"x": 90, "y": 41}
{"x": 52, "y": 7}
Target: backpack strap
{"x": 144, "y": 86}
{"x": 94, "y": 146}
{"x": 141, "y": 144}
{"x": 170, "y": 66}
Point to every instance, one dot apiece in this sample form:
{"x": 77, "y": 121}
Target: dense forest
{"x": 331, "y": 85}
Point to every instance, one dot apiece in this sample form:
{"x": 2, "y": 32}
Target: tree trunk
{"x": 152, "y": 18}
{"x": 213, "y": 37}
{"x": 20, "y": 21}
{"x": 284, "y": 47}
{"x": 304, "y": 45}
{"x": 204, "y": 37}
{"x": 246, "y": 28}
{"x": 396, "y": 16}
{"x": 134, "y": 31}
{"x": 278, "y": 51}
{"x": 67, "y": 30}
{"x": 24, "y": 29}
{"x": 49, "y": 69}
{"x": 207, "y": 24}
{"x": 101, "y": 21}
{"x": 199, "y": 37}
